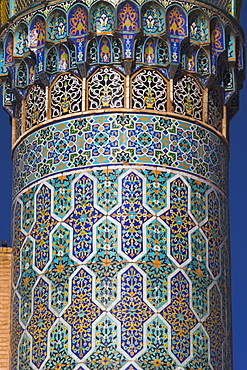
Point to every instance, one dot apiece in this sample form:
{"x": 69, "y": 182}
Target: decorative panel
{"x": 199, "y": 28}
{"x": 21, "y": 40}
{"x": 202, "y": 62}
{"x": 106, "y": 89}
{"x": 113, "y": 139}
{"x": 51, "y": 60}
{"x": 176, "y": 21}
{"x": 128, "y": 19}
{"x": 56, "y": 26}
{"x": 66, "y": 95}
{"x": 188, "y": 97}
{"x": 153, "y": 18}
{"x": 37, "y": 32}
{"x": 149, "y": 90}
{"x": 8, "y": 52}
{"x": 102, "y": 18}
{"x": 215, "y": 109}
{"x": 22, "y": 75}
{"x": 77, "y": 21}
{"x": 35, "y": 106}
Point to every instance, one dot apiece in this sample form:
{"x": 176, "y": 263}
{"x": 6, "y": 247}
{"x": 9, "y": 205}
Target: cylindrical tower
{"x": 120, "y": 114}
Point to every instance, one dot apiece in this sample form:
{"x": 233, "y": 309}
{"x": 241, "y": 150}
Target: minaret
{"x": 120, "y": 245}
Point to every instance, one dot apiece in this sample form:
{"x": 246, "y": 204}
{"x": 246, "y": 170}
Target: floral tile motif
{"x": 41, "y": 321}
{"x": 180, "y": 316}
{"x": 132, "y": 311}
{"x": 214, "y": 328}
{"x": 106, "y": 355}
{"x": 83, "y": 218}
{"x": 211, "y": 228}
{"x": 179, "y": 220}
{"x": 43, "y": 225}
{"x": 81, "y": 313}
{"x": 132, "y": 215}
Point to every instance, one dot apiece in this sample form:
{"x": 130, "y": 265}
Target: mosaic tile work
{"x": 120, "y": 138}
{"x": 127, "y": 278}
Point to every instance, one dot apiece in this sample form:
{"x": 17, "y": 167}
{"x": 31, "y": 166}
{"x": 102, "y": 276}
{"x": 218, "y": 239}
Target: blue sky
{"x": 238, "y": 212}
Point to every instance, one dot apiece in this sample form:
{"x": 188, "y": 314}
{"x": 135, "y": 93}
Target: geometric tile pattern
{"x": 180, "y": 316}
{"x": 125, "y": 147}
{"x": 105, "y": 310}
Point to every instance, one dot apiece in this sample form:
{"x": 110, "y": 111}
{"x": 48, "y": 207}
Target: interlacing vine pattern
{"x": 35, "y": 106}
{"x": 106, "y": 89}
{"x": 188, "y": 97}
{"x": 66, "y": 95}
{"x": 149, "y": 91}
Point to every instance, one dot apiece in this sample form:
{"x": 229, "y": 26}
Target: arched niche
{"x": 63, "y": 58}
{"x": 7, "y": 89}
{"x": 72, "y": 55}
{"x": 56, "y": 26}
{"x": 190, "y": 59}
{"x": 230, "y": 45}
{"x": 3, "y": 69}
{"x": 102, "y": 18}
{"x": 199, "y": 27}
{"x": 228, "y": 77}
{"x": 37, "y": 32}
{"x": 162, "y": 52}
{"x": 153, "y": 18}
{"x": 117, "y": 50}
{"x": 77, "y": 21}
{"x": 182, "y": 53}
{"x": 215, "y": 108}
{"x": 51, "y": 62}
{"x": 104, "y": 50}
{"x": 176, "y": 21}
{"x": 149, "y": 90}
{"x": 105, "y": 89}
{"x": 31, "y": 69}
{"x": 240, "y": 56}
{"x": 149, "y": 56}
{"x": 128, "y": 17}
{"x": 35, "y": 106}
{"x": 22, "y": 75}
{"x": 202, "y": 62}
{"x": 138, "y": 47}
{"x": 8, "y": 49}
{"x": 21, "y": 40}
{"x": 187, "y": 97}
{"x": 18, "y": 118}
{"x": 92, "y": 51}
{"x": 217, "y": 35}
{"x": 66, "y": 95}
